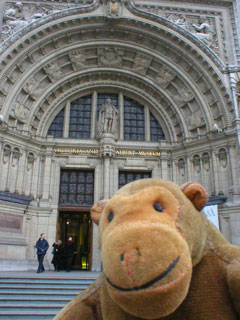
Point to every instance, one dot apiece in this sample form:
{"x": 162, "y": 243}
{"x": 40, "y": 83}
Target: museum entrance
{"x": 78, "y": 226}
{"x": 75, "y": 200}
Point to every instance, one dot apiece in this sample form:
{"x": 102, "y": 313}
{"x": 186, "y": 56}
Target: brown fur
{"x": 140, "y": 243}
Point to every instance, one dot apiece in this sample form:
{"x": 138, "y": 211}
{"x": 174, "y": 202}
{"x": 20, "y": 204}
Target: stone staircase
{"x": 39, "y": 296}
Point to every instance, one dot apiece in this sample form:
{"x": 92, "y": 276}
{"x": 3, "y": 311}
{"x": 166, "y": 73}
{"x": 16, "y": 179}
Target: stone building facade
{"x": 94, "y": 94}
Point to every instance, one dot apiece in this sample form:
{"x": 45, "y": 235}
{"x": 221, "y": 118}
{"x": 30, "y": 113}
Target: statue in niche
{"x": 222, "y": 156}
{"x": 30, "y": 161}
{"x": 203, "y": 31}
{"x": 181, "y": 167}
{"x": 196, "y": 163}
{"x": 15, "y": 158}
{"x": 108, "y": 117}
{"x": 110, "y": 56}
{"x": 6, "y": 154}
{"x": 78, "y": 59}
{"x": 206, "y": 161}
{"x": 13, "y": 18}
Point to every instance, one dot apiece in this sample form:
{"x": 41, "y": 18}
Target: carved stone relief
{"x": 19, "y": 112}
{"x": 18, "y": 15}
{"x": 32, "y": 87}
{"x": 184, "y": 95}
{"x": 110, "y": 56}
{"x": 53, "y": 70}
{"x": 141, "y": 63}
{"x": 113, "y": 8}
{"x": 195, "y": 119}
{"x": 78, "y": 59}
{"x": 165, "y": 77}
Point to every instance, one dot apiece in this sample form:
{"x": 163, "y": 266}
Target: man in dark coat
{"x": 68, "y": 253}
{"x": 42, "y": 247}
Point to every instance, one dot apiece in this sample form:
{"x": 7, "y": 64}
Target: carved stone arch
{"x": 182, "y": 52}
{"x": 29, "y": 77}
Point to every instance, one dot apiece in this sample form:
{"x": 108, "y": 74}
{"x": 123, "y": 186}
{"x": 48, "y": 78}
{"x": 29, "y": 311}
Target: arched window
{"x": 75, "y": 121}
{"x": 134, "y": 122}
{"x": 156, "y": 130}
{"x": 80, "y": 118}
{"x": 56, "y": 127}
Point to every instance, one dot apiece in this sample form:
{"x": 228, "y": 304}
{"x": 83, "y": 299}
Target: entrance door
{"x": 78, "y": 226}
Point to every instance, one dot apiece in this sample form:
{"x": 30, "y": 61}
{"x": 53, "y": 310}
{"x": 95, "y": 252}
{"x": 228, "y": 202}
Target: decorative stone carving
{"x": 13, "y": 19}
{"x": 185, "y": 95}
{"x": 203, "y": 31}
{"x": 178, "y": 19}
{"x": 165, "y": 77}
{"x": 141, "y": 63}
{"x": 110, "y": 56}
{"x": 222, "y": 156}
{"x": 32, "y": 87}
{"x": 113, "y": 8}
{"x": 195, "y": 120}
{"x": 53, "y": 70}
{"x": 108, "y": 119}
{"x": 78, "y": 59}
{"x": 19, "y": 112}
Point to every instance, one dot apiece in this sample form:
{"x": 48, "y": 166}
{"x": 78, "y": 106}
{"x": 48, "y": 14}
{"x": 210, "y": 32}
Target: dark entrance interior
{"x": 75, "y": 200}
{"x": 78, "y": 226}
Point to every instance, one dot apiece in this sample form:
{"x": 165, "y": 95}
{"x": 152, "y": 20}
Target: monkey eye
{"x": 110, "y": 216}
{"x": 158, "y": 207}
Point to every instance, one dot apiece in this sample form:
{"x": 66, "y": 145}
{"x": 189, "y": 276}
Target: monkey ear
{"x": 97, "y": 210}
{"x": 196, "y": 194}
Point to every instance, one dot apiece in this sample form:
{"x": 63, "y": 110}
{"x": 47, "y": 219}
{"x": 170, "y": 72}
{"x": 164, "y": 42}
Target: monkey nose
{"x": 130, "y": 254}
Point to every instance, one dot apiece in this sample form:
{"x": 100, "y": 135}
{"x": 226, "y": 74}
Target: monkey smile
{"x": 149, "y": 283}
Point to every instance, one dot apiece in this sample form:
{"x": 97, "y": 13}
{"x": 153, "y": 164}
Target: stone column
{"x": 233, "y": 168}
{"x": 22, "y": 171}
{"x": 94, "y": 115}
{"x": 164, "y": 165}
{"x": 121, "y": 115}
{"x": 147, "y": 124}
{"x": 47, "y": 177}
{"x": 66, "y": 120}
{"x": 215, "y": 171}
{"x": 35, "y": 181}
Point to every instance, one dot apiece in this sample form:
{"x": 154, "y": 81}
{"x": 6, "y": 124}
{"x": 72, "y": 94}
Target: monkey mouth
{"x": 149, "y": 283}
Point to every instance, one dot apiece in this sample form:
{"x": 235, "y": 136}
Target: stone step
{"x": 47, "y": 281}
{"x": 44, "y": 285}
{"x": 38, "y": 295}
{"x": 67, "y": 287}
{"x": 31, "y": 307}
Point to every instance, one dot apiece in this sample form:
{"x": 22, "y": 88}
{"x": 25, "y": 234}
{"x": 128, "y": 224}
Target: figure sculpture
{"x": 108, "y": 116}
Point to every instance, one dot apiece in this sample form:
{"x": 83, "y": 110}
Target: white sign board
{"x": 211, "y": 213}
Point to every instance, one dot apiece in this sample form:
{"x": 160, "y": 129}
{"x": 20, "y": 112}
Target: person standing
{"x": 68, "y": 253}
{"x": 42, "y": 247}
{"x": 57, "y": 255}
